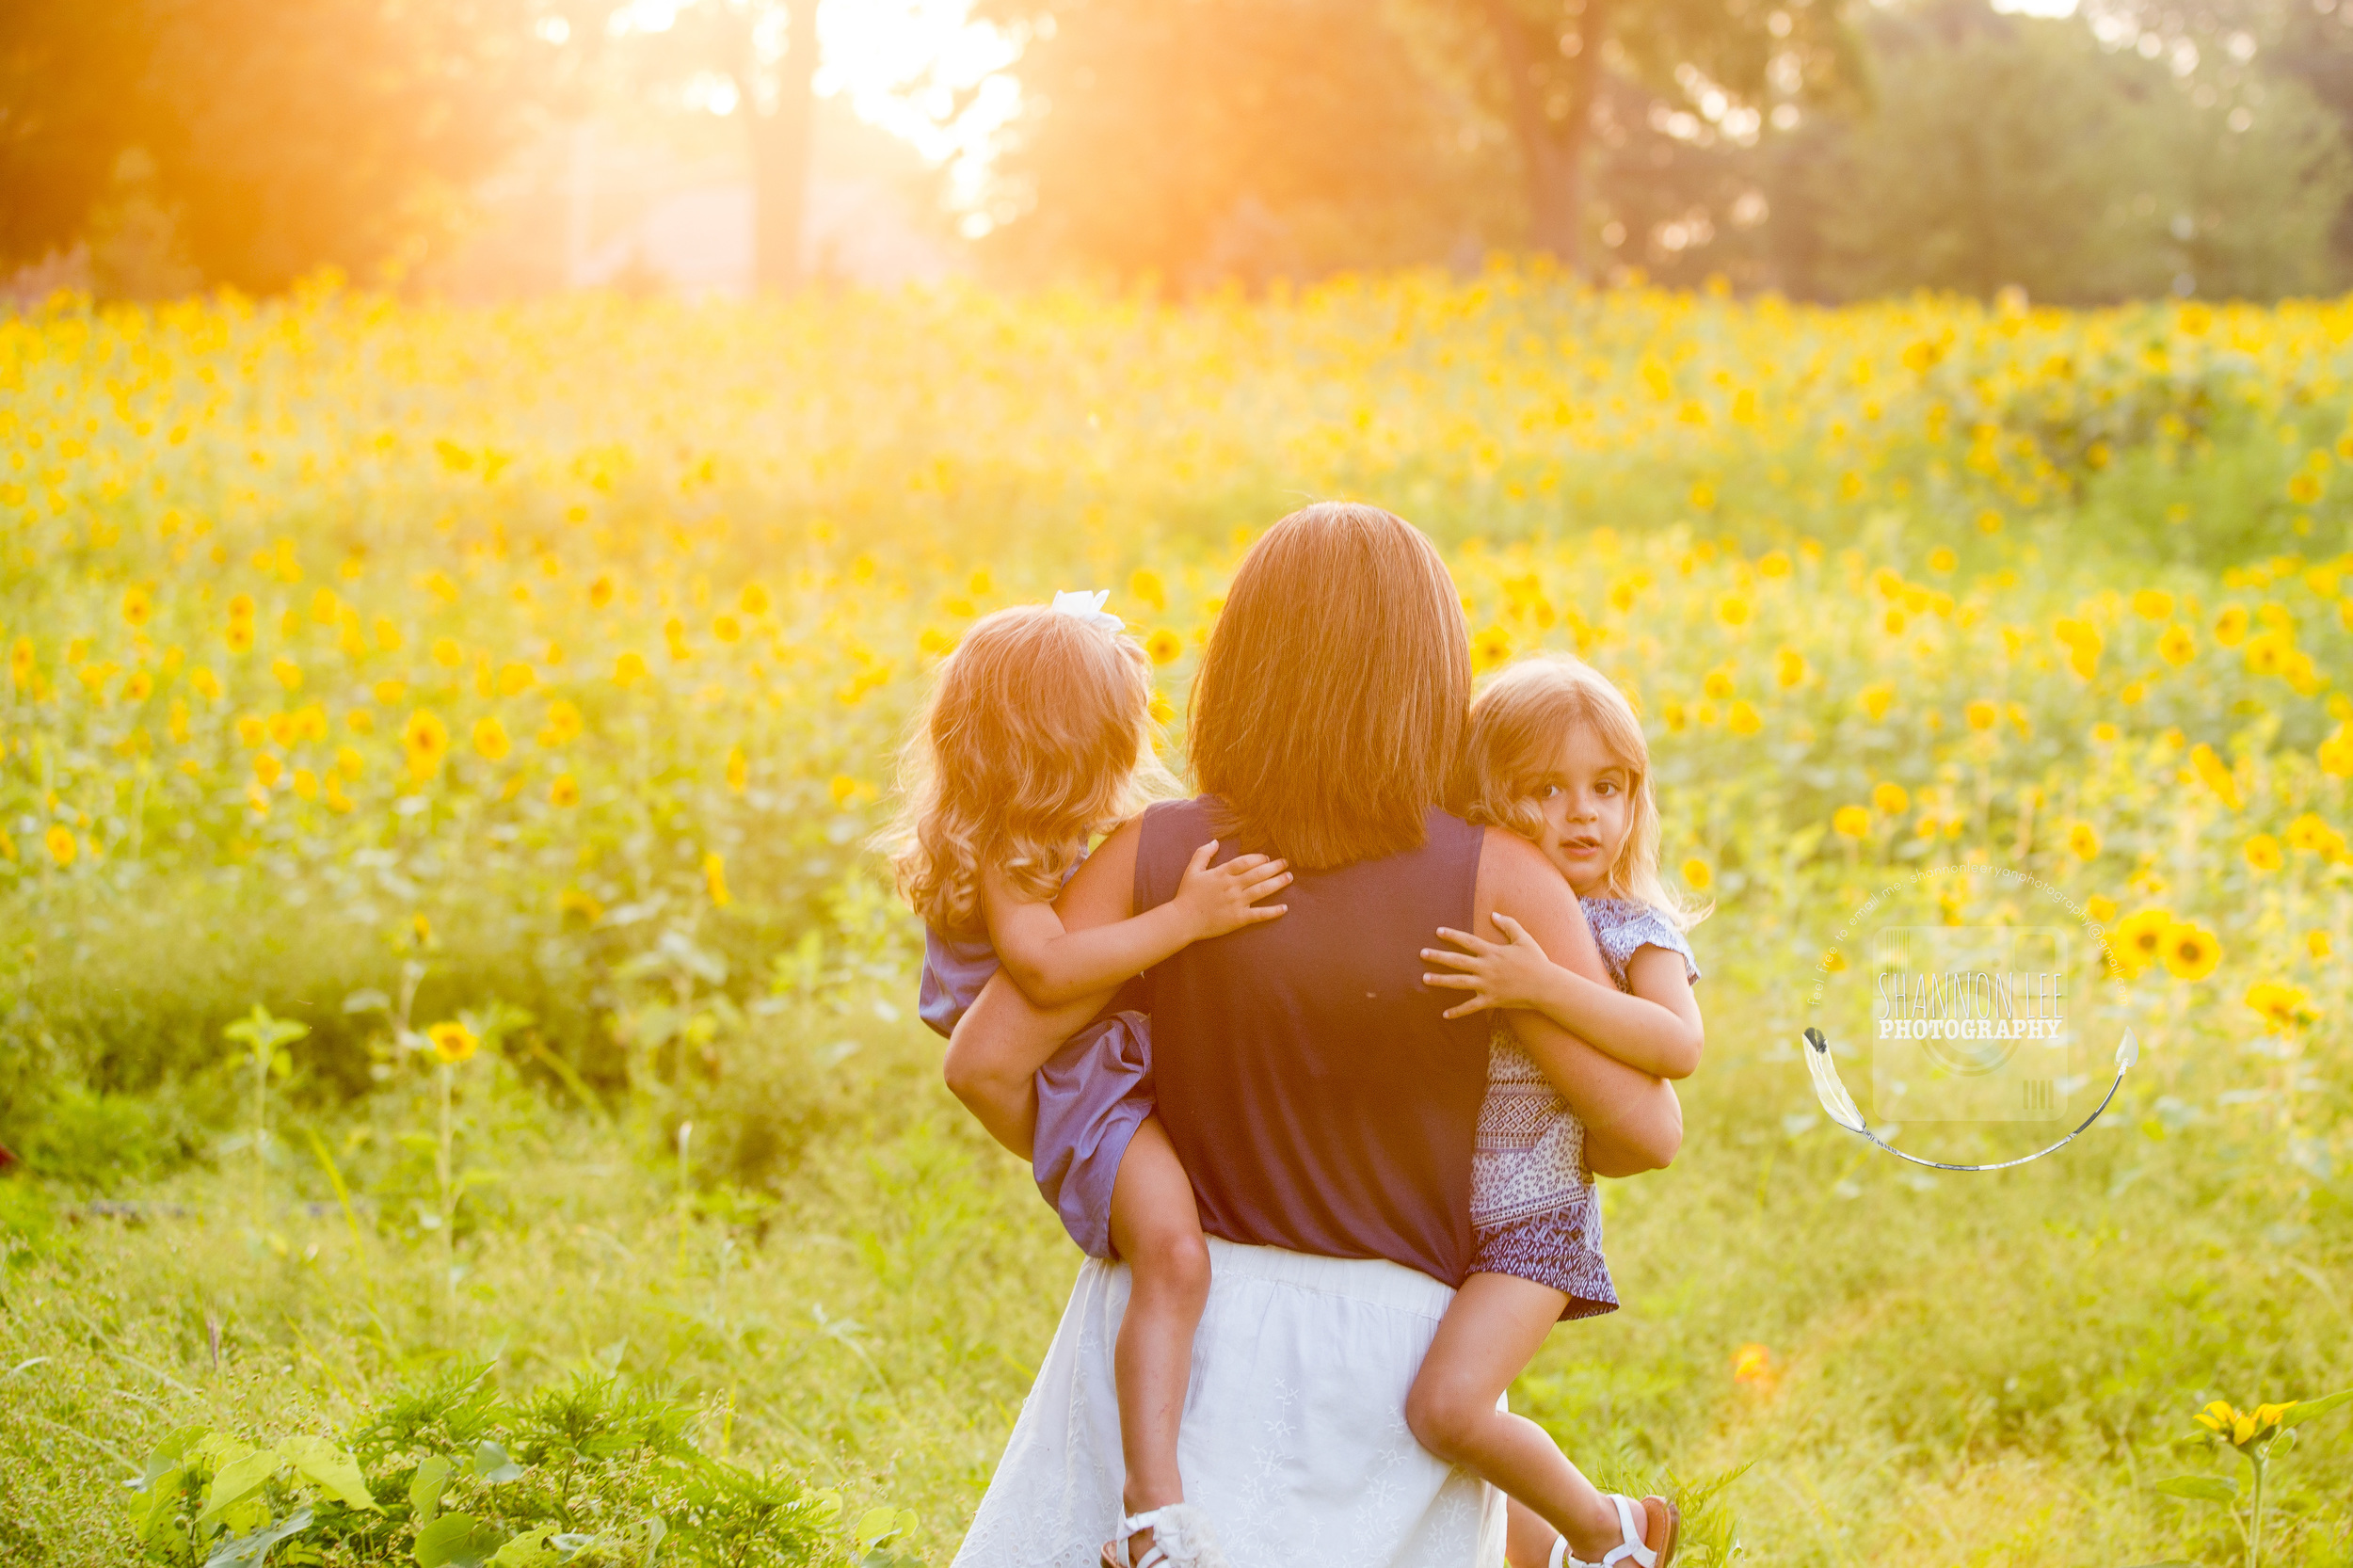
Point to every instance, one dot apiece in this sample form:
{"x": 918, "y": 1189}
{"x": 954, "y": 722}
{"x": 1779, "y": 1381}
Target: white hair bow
{"x": 1088, "y": 607}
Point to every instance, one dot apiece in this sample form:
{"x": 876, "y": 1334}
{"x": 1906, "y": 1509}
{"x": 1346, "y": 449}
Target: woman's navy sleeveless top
{"x": 1316, "y": 1095}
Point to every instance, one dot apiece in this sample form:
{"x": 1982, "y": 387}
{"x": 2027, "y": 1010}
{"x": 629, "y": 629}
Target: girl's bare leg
{"x": 1487, "y": 1337}
{"x": 1526, "y": 1539}
{"x": 1158, "y": 1232}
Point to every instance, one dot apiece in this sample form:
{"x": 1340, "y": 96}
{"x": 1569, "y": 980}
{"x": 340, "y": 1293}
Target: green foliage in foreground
{"x": 1953, "y": 1369}
{"x": 453, "y": 1475}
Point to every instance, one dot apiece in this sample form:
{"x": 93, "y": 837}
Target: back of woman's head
{"x": 1517, "y": 724}
{"x": 1330, "y": 703}
{"x": 1037, "y": 736}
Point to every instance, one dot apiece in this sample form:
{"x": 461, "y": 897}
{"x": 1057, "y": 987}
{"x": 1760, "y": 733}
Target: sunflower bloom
{"x": 2190, "y": 951}
{"x": 452, "y": 1042}
{"x": 2281, "y": 1007}
{"x": 424, "y": 738}
{"x": 2216, "y": 774}
{"x": 2139, "y": 939}
{"x": 60, "y": 843}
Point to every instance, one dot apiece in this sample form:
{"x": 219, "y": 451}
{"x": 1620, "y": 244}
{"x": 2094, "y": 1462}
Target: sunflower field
{"x": 448, "y": 1004}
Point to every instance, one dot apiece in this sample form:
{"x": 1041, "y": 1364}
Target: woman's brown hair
{"x": 1330, "y": 705}
{"x": 1516, "y": 726}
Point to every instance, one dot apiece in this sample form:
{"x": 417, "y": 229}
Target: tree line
{"x": 1826, "y": 149}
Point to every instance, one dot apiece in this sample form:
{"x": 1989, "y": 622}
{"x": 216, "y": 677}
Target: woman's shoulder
{"x": 1164, "y": 816}
{"x": 1174, "y": 827}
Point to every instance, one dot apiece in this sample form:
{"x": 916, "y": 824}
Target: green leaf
{"x": 426, "y": 1486}
{"x": 262, "y": 1034}
{"x": 493, "y": 1466}
{"x": 170, "y": 1453}
{"x": 2305, "y": 1410}
{"x": 331, "y": 1469}
{"x": 875, "y": 1526}
{"x": 252, "y": 1550}
{"x": 2207, "y": 1489}
{"x": 154, "y": 1507}
{"x": 527, "y": 1550}
{"x": 235, "y": 1482}
{"x": 456, "y": 1541}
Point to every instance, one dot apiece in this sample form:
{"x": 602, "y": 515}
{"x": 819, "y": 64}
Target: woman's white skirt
{"x": 1294, "y": 1440}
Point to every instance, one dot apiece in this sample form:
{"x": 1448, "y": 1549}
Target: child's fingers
{"x": 1463, "y": 1010}
{"x": 1509, "y": 926}
{"x": 1453, "y": 981}
{"x": 1453, "y": 960}
{"x": 1265, "y": 883}
{"x": 1201, "y": 856}
{"x": 1260, "y": 913}
{"x": 1464, "y": 938}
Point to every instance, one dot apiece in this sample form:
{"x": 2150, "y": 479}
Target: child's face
{"x": 1585, "y": 800}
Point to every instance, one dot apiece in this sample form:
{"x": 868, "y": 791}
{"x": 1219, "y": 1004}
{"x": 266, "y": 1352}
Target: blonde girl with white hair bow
{"x": 1039, "y": 739}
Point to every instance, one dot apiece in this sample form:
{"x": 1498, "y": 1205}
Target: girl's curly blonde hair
{"x": 1037, "y": 737}
{"x": 1516, "y": 724}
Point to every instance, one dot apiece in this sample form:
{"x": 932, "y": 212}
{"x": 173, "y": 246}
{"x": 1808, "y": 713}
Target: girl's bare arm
{"x": 1003, "y": 1039}
{"x": 1053, "y": 964}
{"x": 1656, "y": 1029}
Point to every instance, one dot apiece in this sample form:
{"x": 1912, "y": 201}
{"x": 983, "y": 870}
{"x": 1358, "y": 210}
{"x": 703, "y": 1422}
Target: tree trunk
{"x": 1552, "y": 151}
{"x": 780, "y": 153}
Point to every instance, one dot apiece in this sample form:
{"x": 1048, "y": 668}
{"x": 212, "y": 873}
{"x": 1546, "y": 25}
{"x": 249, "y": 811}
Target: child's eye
{"x": 1549, "y": 792}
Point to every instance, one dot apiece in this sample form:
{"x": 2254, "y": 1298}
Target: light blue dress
{"x": 1090, "y": 1097}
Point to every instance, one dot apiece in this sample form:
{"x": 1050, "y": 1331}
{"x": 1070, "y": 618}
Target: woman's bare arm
{"x": 1003, "y": 1040}
{"x": 1633, "y": 1121}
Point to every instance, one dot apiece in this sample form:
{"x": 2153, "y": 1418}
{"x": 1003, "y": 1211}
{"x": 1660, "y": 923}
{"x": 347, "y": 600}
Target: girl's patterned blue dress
{"x": 1533, "y": 1210}
{"x": 1090, "y": 1097}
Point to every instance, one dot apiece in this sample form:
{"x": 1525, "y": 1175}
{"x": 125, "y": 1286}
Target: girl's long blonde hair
{"x": 1037, "y": 737}
{"x": 1516, "y": 724}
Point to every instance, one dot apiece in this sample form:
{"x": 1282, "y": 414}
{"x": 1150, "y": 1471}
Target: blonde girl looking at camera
{"x": 1558, "y": 757}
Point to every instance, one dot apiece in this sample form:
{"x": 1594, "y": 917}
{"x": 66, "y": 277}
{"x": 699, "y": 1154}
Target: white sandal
{"x": 1180, "y": 1538}
{"x": 1636, "y": 1550}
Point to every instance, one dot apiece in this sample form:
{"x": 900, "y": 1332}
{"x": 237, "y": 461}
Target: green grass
{"x": 1966, "y": 1370}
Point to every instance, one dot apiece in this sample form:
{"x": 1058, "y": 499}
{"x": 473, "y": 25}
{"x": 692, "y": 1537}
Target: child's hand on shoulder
{"x": 1219, "y": 899}
{"x": 1512, "y": 973}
